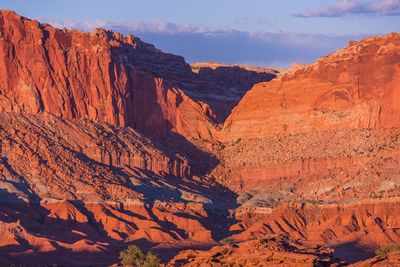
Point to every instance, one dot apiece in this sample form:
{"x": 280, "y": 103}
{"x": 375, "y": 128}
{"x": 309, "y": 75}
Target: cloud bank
{"x": 197, "y": 43}
{"x": 356, "y": 8}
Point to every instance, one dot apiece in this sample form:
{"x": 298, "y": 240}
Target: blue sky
{"x": 258, "y": 32}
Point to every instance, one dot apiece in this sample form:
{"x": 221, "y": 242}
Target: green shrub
{"x": 151, "y": 260}
{"x": 133, "y": 256}
{"x": 383, "y": 252}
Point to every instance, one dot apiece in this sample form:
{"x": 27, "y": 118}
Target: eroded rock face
{"x": 308, "y": 234}
{"x": 335, "y": 164}
{"x": 101, "y": 76}
{"x": 40, "y": 150}
{"x": 90, "y": 132}
{"x": 314, "y": 154}
{"x": 105, "y": 77}
{"x": 354, "y": 229}
{"x": 356, "y": 87}
{"x": 77, "y": 191}
{"x": 80, "y": 233}
{"x": 269, "y": 251}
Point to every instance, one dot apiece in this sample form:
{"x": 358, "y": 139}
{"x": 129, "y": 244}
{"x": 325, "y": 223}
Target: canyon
{"x": 106, "y": 141}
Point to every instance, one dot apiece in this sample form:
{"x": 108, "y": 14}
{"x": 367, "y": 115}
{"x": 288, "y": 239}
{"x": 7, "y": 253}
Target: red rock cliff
{"x": 356, "y": 87}
{"x": 101, "y": 76}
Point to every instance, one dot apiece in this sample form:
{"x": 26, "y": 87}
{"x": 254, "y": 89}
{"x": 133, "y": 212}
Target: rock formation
{"x": 106, "y": 141}
{"x": 90, "y": 130}
{"x": 233, "y": 81}
{"x": 73, "y": 187}
{"x": 269, "y": 251}
{"x": 100, "y": 76}
{"x": 391, "y": 259}
{"x": 356, "y": 87}
{"x": 314, "y": 155}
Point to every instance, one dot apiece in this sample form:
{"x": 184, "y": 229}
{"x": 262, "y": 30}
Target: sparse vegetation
{"x": 133, "y": 256}
{"x": 383, "y": 252}
{"x": 151, "y": 260}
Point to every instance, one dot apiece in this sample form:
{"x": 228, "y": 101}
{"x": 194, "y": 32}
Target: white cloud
{"x": 356, "y": 8}
{"x": 135, "y": 26}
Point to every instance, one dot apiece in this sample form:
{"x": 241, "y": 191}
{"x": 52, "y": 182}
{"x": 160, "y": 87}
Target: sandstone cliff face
{"x": 100, "y": 76}
{"x": 90, "y": 128}
{"x": 105, "y": 77}
{"x": 304, "y": 164}
{"x": 356, "y": 87}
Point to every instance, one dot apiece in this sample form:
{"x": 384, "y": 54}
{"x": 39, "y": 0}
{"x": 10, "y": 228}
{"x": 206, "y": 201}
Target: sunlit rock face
{"x": 106, "y": 77}
{"x": 356, "y": 87}
{"x": 100, "y": 76}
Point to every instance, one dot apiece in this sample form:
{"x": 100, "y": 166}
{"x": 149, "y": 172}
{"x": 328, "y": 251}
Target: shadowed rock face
{"x": 391, "y": 259}
{"x": 233, "y": 81}
{"x": 80, "y": 156}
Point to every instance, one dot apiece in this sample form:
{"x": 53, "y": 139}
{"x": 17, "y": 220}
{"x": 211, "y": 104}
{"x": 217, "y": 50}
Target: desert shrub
{"x": 133, "y": 256}
{"x": 151, "y": 260}
{"x": 383, "y": 252}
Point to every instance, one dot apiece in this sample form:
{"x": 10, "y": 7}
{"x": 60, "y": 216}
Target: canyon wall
{"x": 100, "y": 76}
{"x": 356, "y": 87}
{"x": 106, "y": 77}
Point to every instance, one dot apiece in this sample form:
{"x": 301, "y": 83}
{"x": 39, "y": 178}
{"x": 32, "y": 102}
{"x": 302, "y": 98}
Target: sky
{"x": 257, "y": 32}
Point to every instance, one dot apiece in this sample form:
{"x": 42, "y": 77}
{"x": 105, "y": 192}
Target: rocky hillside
{"x": 313, "y": 155}
{"x": 72, "y": 187}
{"x": 106, "y": 141}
